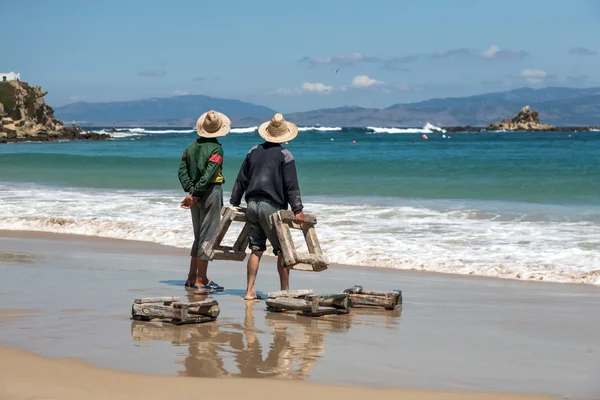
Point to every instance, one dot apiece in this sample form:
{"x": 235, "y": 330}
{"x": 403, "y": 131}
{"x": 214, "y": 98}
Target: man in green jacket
{"x": 201, "y": 176}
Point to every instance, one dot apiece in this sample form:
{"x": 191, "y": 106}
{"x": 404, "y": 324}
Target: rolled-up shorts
{"x": 258, "y": 211}
{"x": 206, "y": 215}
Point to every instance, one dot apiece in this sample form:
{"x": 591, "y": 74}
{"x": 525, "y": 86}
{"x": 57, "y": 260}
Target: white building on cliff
{"x": 9, "y": 76}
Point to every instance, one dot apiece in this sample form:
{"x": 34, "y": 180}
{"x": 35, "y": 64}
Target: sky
{"x": 285, "y": 54}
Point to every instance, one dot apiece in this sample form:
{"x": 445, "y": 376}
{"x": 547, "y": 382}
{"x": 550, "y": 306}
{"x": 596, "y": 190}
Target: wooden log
{"x": 147, "y": 311}
{"x": 288, "y": 303}
{"x": 290, "y": 293}
{"x": 289, "y": 216}
{"x": 373, "y": 301}
{"x": 167, "y": 299}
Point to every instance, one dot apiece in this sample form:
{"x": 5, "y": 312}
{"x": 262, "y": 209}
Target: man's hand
{"x": 299, "y": 217}
{"x": 188, "y": 201}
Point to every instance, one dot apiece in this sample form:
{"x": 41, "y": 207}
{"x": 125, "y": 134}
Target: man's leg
{"x": 284, "y": 274}
{"x": 201, "y": 271}
{"x": 257, "y": 244}
{"x": 211, "y": 216}
{"x": 193, "y": 271}
{"x": 252, "y": 272}
{"x": 196, "y": 219}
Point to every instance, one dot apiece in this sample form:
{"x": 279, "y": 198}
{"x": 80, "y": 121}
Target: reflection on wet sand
{"x": 296, "y": 345}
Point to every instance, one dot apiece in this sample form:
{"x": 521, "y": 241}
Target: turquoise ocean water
{"x": 518, "y": 205}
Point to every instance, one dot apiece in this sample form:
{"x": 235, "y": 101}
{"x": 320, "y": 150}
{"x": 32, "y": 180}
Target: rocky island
{"x": 526, "y": 120}
{"x": 25, "y": 116}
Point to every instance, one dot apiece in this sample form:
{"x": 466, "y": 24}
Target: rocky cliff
{"x": 524, "y": 120}
{"x": 25, "y": 116}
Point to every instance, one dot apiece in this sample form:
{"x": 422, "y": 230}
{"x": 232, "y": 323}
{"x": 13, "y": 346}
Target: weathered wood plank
{"x": 208, "y": 247}
{"x": 230, "y": 255}
{"x": 166, "y": 299}
{"x": 242, "y": 241}
{"x": 337, "y": 300}
{"x": 158, "y": 311}
{"x": 207, "y": 311}
{"x": 288, "y": 303}
{"x": 285, "y": 240}
{"x": 312, "y": 259}
{"x": 312, "y": 242}
{"x": 373, "y": 301}
{"x": 289, "y": 216}
{"x": 307, "y": 267}
{"x": 201, "y": 303}
{"x": 290, "y": 293}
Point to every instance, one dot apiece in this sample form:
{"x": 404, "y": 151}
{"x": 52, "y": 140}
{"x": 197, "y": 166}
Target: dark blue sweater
{"x": 268, "y": 171}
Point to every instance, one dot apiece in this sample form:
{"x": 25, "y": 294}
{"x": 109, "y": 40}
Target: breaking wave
{"x": 549, "y": 243}
{"x": 427, "y": 128}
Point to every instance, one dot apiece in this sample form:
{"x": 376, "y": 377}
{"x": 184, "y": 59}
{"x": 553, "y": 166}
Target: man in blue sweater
{"x": 269, "y": 179}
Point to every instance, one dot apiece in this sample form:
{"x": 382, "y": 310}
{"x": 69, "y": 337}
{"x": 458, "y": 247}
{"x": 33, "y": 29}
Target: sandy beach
{"x": 64, "y": 296}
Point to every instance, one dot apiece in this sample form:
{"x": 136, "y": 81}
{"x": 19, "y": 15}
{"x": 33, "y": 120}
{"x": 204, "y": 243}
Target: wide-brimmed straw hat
{"x": 213, "y": 124}
{"x": 278, "y": 130}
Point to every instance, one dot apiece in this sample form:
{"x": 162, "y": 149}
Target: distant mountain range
{"x": 558, "y": 106}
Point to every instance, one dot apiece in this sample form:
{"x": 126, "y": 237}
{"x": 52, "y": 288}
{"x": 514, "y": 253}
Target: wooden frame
{"x": 315, "y": 260}
{"x": 308, "y": 304}
{"x": 282, "y": 220}
{"x": 213, "y": 248}
{"x": 169, "y": 309}
{"x": 365, "y": 298}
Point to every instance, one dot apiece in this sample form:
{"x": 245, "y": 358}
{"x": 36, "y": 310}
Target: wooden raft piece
{"x": 169, "y": 309}
{"x": 315, "y": 260}
{"x": 308, "y": 304}
{"x": 213, "y": 248}
{"x": 366, "y": 298}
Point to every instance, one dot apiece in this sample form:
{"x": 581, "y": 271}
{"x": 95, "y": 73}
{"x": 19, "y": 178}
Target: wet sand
{"x": 25, "y": 377}
{"x": 70, "y": 296}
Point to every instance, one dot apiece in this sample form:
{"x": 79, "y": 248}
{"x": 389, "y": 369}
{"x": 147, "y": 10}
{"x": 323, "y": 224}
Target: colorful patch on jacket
{"x": 216, "y": 158}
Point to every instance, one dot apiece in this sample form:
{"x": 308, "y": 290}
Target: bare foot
{"x": 252, "y": 296}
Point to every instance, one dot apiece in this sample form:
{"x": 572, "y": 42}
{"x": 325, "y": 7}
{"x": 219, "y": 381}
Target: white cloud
{"x": 317, "y": 87}
{"x": 534, "y": 75}
{"x": 181, "y": 93}
{"x": 364, "y": 81}
{"x": 494, "y": 52}
{"x": 491, "y": 52}
{"x": 306, "y": 87}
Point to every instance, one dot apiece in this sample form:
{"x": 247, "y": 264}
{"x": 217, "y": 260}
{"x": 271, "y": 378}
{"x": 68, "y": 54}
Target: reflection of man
{"x": 269, "y": 179}
{"x": 200, "y": 175}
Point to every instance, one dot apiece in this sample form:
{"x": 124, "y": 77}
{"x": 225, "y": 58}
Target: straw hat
{"x": 213, "y": 124}
{"x": 278, "y": 130}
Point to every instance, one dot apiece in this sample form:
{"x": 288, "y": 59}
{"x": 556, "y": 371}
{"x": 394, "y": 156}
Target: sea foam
{"x": 427, "y": 128}
{"x": 549, "y": 243}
